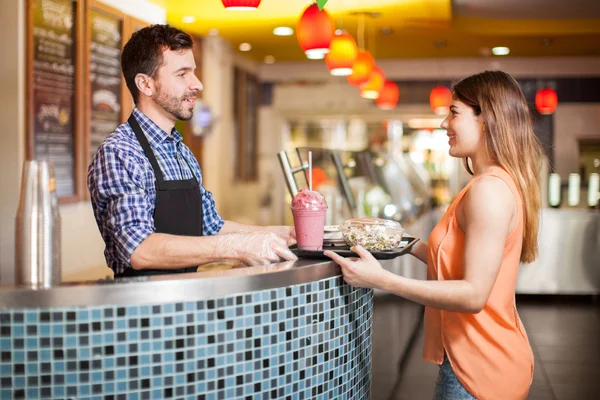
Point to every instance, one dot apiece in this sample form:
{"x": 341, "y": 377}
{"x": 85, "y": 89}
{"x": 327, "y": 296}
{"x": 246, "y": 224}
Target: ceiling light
{"x": 370, "y": 90}
{"x": 500, "y": 51}
{"x": 188, "y": 19}
{"x": 269, "y": 60}
{"x": 440, "y": 98}
{"x": 314, "y": 31}
{"x": 241, "y": 4}
{"x": 245, "y": 47}
{"x": 342, "y": 54}
{"x": 361, "y": 69}
{"x": 213, "y": 32}
{"x": 388, "y": 96}
{"x": 315, "y": 55}
{"x": 283, "y": 31}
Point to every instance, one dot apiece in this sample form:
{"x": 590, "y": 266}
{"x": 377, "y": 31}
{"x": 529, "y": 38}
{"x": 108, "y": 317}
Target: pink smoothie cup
{"x": 310, "y": 225}
{"x": 309, "y": 208}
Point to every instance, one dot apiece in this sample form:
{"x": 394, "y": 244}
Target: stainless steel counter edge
{"x": 169, "y": 288}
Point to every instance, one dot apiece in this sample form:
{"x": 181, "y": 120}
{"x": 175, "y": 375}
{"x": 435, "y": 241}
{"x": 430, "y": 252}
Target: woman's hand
{"x": 364, "y": 272}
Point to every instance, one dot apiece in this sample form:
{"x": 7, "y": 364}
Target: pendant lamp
{"x": 342, "y": 54}
{"x": 314, "y": 31}
{"x": 546, "y": 101}
{"x": 370, "y": 89}
{"x": 440, "y": 99}
{"x": 388, "y": 96}
{"x": 361, "y": 69}
{"x": 241, "y": 4}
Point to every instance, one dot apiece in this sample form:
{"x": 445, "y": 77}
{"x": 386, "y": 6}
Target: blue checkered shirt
{"x": 121, "y": 184}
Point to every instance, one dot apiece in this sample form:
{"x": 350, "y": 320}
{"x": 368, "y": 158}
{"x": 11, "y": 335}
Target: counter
{"x": 289, "y": 330}
{"x": 569, "y": 254}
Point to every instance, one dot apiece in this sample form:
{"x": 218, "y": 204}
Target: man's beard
{"x": 175, "y": 105}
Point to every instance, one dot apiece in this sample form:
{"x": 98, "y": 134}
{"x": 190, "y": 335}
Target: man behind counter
{"x": 146, "y": 186}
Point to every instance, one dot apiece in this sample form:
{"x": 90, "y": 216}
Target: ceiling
{"x": 409, "y": 28}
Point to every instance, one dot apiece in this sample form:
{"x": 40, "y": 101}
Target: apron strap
{"x": 160, "y": 180}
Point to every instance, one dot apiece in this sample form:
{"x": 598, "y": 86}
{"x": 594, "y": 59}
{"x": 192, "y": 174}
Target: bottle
{"x": 37, "y": 241}
{"x": 573, "y": 194}
{"x": 554, "y": 190}
{"x": 593, "y": 189}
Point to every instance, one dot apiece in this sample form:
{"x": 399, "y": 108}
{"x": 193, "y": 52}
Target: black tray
{"x": 344, "y": 250}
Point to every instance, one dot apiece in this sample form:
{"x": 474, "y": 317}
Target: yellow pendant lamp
{"x": 342, "y": 54}
{"x": 370, "y": 89}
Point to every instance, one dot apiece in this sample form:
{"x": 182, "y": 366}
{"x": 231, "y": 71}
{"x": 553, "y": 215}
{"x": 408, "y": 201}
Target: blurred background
{"x": 263, "y": 95}
{"x": 370, "y": 112}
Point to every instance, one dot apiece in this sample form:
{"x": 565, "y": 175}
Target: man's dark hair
{"x": 143, "y": 53}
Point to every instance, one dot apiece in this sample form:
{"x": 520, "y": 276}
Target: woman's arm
{"x": 420, "y": 251}
{"x": 489, "y": 210}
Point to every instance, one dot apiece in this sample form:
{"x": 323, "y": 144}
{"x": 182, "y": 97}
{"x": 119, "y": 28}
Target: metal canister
{"x": 37, "y": 241}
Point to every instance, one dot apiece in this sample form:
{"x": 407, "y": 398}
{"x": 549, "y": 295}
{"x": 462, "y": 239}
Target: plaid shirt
{"x": 121, "y": 184}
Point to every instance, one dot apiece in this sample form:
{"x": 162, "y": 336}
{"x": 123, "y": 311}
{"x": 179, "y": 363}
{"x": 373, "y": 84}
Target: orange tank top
{"x": 488, "y": 351}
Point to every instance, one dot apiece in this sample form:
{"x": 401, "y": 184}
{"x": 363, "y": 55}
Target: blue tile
{"x": 18, "y": 331}
{"x": 121, "y": 324}
{"x": 83, "y": 316}
{"x": 84, "y": 390}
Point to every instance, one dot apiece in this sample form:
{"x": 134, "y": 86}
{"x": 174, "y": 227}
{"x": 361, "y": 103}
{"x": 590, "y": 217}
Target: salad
{"x": 374, "y": 234}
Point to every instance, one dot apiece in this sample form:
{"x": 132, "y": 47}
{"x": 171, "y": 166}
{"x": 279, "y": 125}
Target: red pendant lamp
{"x": 241, "y": 4}
{"x": 440, "y": 99}
{"x": 388, "y": 96}
{"x": 370, "y": 90}
{"x": 361, "y": 69}
{"x": 315, "y": 30}
{"x": 342, "y": 54}
{"x": 546, "y": 101}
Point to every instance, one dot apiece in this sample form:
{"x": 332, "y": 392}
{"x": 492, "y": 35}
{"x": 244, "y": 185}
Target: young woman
{"x": 472, "y": 329}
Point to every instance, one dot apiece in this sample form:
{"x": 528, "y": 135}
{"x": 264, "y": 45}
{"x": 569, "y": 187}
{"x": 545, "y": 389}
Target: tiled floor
{"x": 565, "y": 336}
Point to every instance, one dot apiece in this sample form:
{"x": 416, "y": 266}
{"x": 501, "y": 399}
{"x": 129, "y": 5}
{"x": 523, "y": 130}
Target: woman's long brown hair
{"x": 510, "y": 141}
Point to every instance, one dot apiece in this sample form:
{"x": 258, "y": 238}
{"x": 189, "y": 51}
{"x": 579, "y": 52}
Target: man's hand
{"x": 287, "y": 233}
{"x": 253, "y": 248}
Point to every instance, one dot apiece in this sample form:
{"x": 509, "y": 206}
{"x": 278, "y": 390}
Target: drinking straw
{"x": 310, "y": 170}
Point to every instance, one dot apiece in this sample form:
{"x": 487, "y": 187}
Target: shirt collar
{"x": 153, "y": 132}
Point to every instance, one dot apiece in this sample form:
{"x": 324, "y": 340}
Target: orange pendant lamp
{"x": 241, "y": 4}
{"x": 314, "y": 31}
{"x": 440, "y": 99}
{"x": 370, "y": 89}
{"x": 342, "y": 54}
{"x": 546, "y": 101}
{"x": 361, "y": 69}
{"x": 388, "y": 96}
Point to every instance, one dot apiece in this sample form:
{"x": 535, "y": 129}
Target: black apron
{"x": 178, "y": 208}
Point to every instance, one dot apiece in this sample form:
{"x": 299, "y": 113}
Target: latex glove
{"x": 364, "y": 272}
{"x": 253, "y": 248}
{"x": 287, "y": 233}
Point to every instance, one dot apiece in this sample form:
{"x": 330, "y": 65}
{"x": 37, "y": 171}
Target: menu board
{"x": 53, "y": 89}
{"x": 105, "y": 77}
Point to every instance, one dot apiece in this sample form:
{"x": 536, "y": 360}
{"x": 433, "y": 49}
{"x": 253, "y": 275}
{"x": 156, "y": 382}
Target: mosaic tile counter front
{"x": 305, "y": 341}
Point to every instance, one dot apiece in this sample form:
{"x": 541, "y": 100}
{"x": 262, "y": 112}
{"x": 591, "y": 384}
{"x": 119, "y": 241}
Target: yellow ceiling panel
{"x": 394, "y": 28}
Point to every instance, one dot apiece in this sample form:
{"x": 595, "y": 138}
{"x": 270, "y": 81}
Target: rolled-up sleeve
{"x": 128, "y": 210}
{"x": 212, "y": 221}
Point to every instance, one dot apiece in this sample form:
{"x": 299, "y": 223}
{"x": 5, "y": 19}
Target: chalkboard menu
{"x": 53, "y": 89}
{"x": 105, "y": 76}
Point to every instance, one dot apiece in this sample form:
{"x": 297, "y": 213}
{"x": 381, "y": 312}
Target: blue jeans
{"x": 447, "y": 385}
